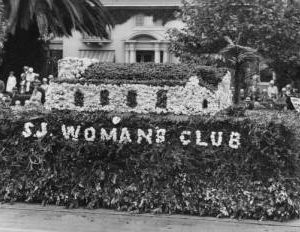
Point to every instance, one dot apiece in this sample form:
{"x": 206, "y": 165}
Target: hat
{"x": 272, "y": 82}
{"x": 248, "y": 99}
{"x": 283, "y": 89}
{"x": 36, "y": 83}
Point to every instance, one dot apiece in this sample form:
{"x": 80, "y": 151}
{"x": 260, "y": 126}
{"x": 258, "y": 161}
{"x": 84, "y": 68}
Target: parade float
{"x": 149, "y": 138}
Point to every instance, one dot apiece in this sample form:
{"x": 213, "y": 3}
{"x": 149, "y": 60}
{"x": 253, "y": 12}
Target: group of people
{"x": 29, "y": 86}
{"x": 271, "y": 94}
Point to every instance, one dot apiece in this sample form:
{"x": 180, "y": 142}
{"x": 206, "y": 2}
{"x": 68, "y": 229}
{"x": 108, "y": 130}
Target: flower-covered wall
{"x": 71, "y": 68}
{"x": 190, "y": 99}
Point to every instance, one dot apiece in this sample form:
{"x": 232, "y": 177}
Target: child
{"x": 45, "y": 84}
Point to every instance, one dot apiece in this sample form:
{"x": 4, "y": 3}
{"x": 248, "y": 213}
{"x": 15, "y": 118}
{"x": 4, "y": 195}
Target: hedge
{"x": 147, "y": 72}
{"x": 257, "y": 181}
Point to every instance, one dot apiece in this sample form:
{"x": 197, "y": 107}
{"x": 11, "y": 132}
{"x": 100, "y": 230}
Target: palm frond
{"x": 60, "y": 17}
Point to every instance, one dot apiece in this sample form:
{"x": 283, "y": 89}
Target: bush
{"x": 258, "y": 180}
{"x": 157, "y": 73}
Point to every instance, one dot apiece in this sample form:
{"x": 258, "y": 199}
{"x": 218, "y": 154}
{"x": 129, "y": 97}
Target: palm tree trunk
{"x": 237, "y": 84}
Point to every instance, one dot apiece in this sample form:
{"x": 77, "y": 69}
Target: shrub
{"x": 258, "y": 180}
{"x": 157, "y": 73}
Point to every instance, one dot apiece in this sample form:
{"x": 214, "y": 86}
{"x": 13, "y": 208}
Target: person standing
{"x": 289, "y": 94}
{"x": 11, "y": 82}
{"x": 30, "y": 78}
{"x": 272, "y": 90}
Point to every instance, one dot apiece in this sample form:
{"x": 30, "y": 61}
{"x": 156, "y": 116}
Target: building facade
{"x": 138, "y": 36}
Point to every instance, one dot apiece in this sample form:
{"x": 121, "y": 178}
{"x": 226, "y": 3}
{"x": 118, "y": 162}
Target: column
{"x": 127, "y": 54}
{"x": 132, "y": 54}
{"x": 157, "y": 54}
{"x": 166, "y": 56}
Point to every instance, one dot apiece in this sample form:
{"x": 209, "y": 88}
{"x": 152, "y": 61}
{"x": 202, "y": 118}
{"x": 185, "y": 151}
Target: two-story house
{"x": 138, "y": 36}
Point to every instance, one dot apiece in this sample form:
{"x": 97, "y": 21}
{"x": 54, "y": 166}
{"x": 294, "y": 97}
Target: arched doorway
{"x": 146, "y": 47}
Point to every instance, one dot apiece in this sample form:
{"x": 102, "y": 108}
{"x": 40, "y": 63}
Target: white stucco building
{"x": 140, "y": 36}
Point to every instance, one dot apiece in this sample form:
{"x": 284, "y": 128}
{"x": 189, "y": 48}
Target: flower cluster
{"x": 73, "y": 68}
{"x": 186, "y": 100}
{"x": 128, "y": 135}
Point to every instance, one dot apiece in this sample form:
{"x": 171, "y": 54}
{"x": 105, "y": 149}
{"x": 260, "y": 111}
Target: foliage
{"x": 236, "y": 57}
{"x": 157, "y": 73}
{"x": 3, "y": 23}
{"x": 269, "y": 26}
{"x": 85, "y": 16}
{"x": 257, "y": 181}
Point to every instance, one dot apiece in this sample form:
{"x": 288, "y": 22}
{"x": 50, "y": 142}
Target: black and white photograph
{"x": 149, "y": 115}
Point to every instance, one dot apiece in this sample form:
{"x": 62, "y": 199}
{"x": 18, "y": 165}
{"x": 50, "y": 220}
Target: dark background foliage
{"x": 23, "y": 49}
{"x": 256, "y": 181}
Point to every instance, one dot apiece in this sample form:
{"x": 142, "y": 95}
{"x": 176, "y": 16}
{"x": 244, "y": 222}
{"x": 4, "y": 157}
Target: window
{"x": 161, "y": 56}
{"x": 79, "y": 98}
{"x": 205, "y": 104}
{"x": 104, "y": 97}
{"x": 131, "y": 99}
{"x": 140, "y": 20}
{"x": 161, "y": 97}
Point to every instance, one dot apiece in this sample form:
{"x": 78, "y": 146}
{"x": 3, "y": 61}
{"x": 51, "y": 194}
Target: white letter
{"x": 213, "y": 139}
{"x": 198, "y": 141}
{"x": 90, "y": 138}
{"x": 70, "y": 132}
{"x": 234, "y": 141}
{"x": 161, "y": 136}
{"x": 112, "y": 135}
{"x": 182, "y": 138}
{"x": 27, "y": 132}
{"x": 125, "y": 136}
{"x": 43, "y": 132}
{"x": 141, "y": 135}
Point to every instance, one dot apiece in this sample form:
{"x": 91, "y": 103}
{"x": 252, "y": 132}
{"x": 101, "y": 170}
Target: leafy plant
{"x": 268, "y": 26}
{"x": 155, "y": 74}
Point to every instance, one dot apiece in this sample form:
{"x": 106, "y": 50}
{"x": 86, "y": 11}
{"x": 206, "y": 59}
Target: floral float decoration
{"x": 192, "y": 98}
{"x": 70, "y": 68}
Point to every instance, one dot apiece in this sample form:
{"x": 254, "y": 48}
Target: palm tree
{"x": 236, "y": 56}
{"x": 3, "y": 23}
{"x": 60, "y": 17}
{"x": 27, "y": 21}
